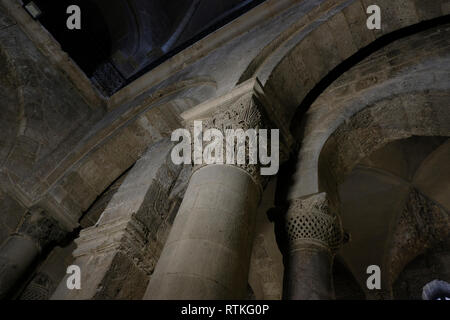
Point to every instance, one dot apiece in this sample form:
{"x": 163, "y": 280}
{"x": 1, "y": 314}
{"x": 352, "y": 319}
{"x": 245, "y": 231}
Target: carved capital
{"x": 246, "y": 107}
{"x": 309, "y": 222}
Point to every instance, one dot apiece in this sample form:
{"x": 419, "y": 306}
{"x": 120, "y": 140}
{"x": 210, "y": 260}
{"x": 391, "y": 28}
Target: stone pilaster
{"x": 312, "y": 235}
{"x": 207, "y": 254}
{"x": 113, "y": 260}
{"x": 18, "y": 253}
{"x": 117, "y": 255}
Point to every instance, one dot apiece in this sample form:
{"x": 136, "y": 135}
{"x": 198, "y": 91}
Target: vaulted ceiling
{"x": 395, "y": 205}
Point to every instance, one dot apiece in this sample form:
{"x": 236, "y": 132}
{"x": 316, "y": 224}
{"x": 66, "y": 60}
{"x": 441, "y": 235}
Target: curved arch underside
{"x": 392, "y": 216}
{"x": 399, "y": 91}
{"x": 327, "y": 36}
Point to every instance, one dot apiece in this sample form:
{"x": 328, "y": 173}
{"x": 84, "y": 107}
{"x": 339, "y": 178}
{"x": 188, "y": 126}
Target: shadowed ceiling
{"x": 121, "y": 39}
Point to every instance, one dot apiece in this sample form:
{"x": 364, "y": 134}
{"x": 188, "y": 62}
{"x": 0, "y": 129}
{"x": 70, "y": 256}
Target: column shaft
{"x": 308, "y": 275}
{"x": 207, "y": 254}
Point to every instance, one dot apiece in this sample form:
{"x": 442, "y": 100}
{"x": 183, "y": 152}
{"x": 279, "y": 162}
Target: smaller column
{"x": 312, "y": 236}
{"x": 21, "y": 249}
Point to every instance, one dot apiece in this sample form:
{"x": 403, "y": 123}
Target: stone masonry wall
{"x": 42, "y": 117}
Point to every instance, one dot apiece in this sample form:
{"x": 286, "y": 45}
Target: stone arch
{"x": 330, "y": 33}
{"x": 366, "y": 132}
{"x": 299, "y": 61}
{"x": 411, "y": 81}
{"x": 400, "y": 117}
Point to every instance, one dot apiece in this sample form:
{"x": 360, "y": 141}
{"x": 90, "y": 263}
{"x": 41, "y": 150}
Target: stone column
{"x": 207, "y": 254}
{"x": 21, "y": 249}
{"x": 312, "y": 235}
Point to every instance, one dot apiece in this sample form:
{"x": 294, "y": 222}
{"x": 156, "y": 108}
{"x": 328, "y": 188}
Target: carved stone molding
{"x": 309, "y": 222}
